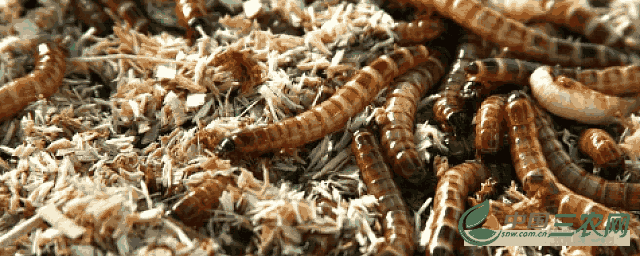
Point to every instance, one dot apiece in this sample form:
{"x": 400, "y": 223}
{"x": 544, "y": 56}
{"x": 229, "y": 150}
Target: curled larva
{"x": 489, "y": 123}
{"x": 398, "y": 230}
{"x": 530, "y": 43}
{"x": 448, "y": 109}
{"x": 610, "y": 193}
{"x": 601, "y": 147}
{"x": 396, "y": 122}
{"x": 332, "y": 114}
{"x": 454, "y": 186}
{"x": 43, "y": 81}
{"x": 570, "y": 99}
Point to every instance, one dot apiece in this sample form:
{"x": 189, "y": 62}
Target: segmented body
{"x": 448, "y": 109}
{"x": 44, "y": 80}
{"x": 613, "y": 194}
{"x": 396, "y": 123}
{"x": 489, "y": 123}
{"x": 529, "y": 43}
{"x": 601, "y": 147}
{"x": 332, "y": 114}
{"x": 454, "y": 186}
{"x": 398, "y": 230}
{"x": 203, "y": 196}
{"x": 570, "y": 99}
{"x": 420, "y": 30}
{"x": 526, "y": 151}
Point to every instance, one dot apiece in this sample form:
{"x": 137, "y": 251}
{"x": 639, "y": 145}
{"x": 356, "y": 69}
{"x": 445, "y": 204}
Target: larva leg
{"x": 612, "y": 194}
{"x": 398, "y": 229}
{"x": 570, "y": 99}
{"x": 489, "y": 120}
{"x": 44, "y": 80}
{"x": 333, "y": 113}
{"x": 454, "y": 186}
{"x": 396, "y": 130}
{"x": 449, "y": 108}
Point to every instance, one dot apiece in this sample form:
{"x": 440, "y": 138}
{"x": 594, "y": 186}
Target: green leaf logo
{"x": 472, "y": 218}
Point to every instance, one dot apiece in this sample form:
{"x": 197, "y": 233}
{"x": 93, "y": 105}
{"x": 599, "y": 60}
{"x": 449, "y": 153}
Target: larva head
{"x": 519, "y": 110}
{"x": 227, "y": 145}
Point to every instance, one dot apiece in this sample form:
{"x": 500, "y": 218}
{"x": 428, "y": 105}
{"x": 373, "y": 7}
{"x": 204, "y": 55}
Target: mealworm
{"x": 570, "y": 99}
{"x": 396, "y": 122}
{"x": 530, "y": 43}
{"x": 331, "y": 114}
{"x": 489, "y": 120}
{"x": 587, "y": 21}
{"x": 420, "y": 30}
{"x": 516, "y": 71}
{"x": 91, "y": 13}
{"x": 610, "y": 193}
{"x": 44, "y": 80}
{"x": 618, "y": 80}
{"x": 448, "y": 109}
{"x": 204, "y": 195}
{"x": 530, "y": 164}
{"x": 454, "y": 186}
{"x": 601, "y": 147}
{"x": 190, "y": 14}
{"x": 398, "y": 229}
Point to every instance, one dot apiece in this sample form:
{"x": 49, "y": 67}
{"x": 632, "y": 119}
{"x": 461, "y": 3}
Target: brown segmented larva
{"x": 588, "y": 21}
{"x": 448, "y": 109}
{"x": 332, "y": 114}
{"x": 601, "y": 147}
{"x": 526, "y": 151}
{"x": 398, "y": 229}
{"x": 502, "y": 70}
{"x": 570, "y": 99}
{"x": 618, "y": 80}
{"x": 396, "y": 122}
{"x": 530, "y": 43}
{"x": 44, "y": 80}
{"x": 612, "y": 81}
{"x": 454, "y": 186}
{"x": 489, "y": 121}
{"x": 203, "y": 195}
{"x": 420, "y": 30}
{"x": 571, "y": 203}
{"x": 610, "y": 193}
